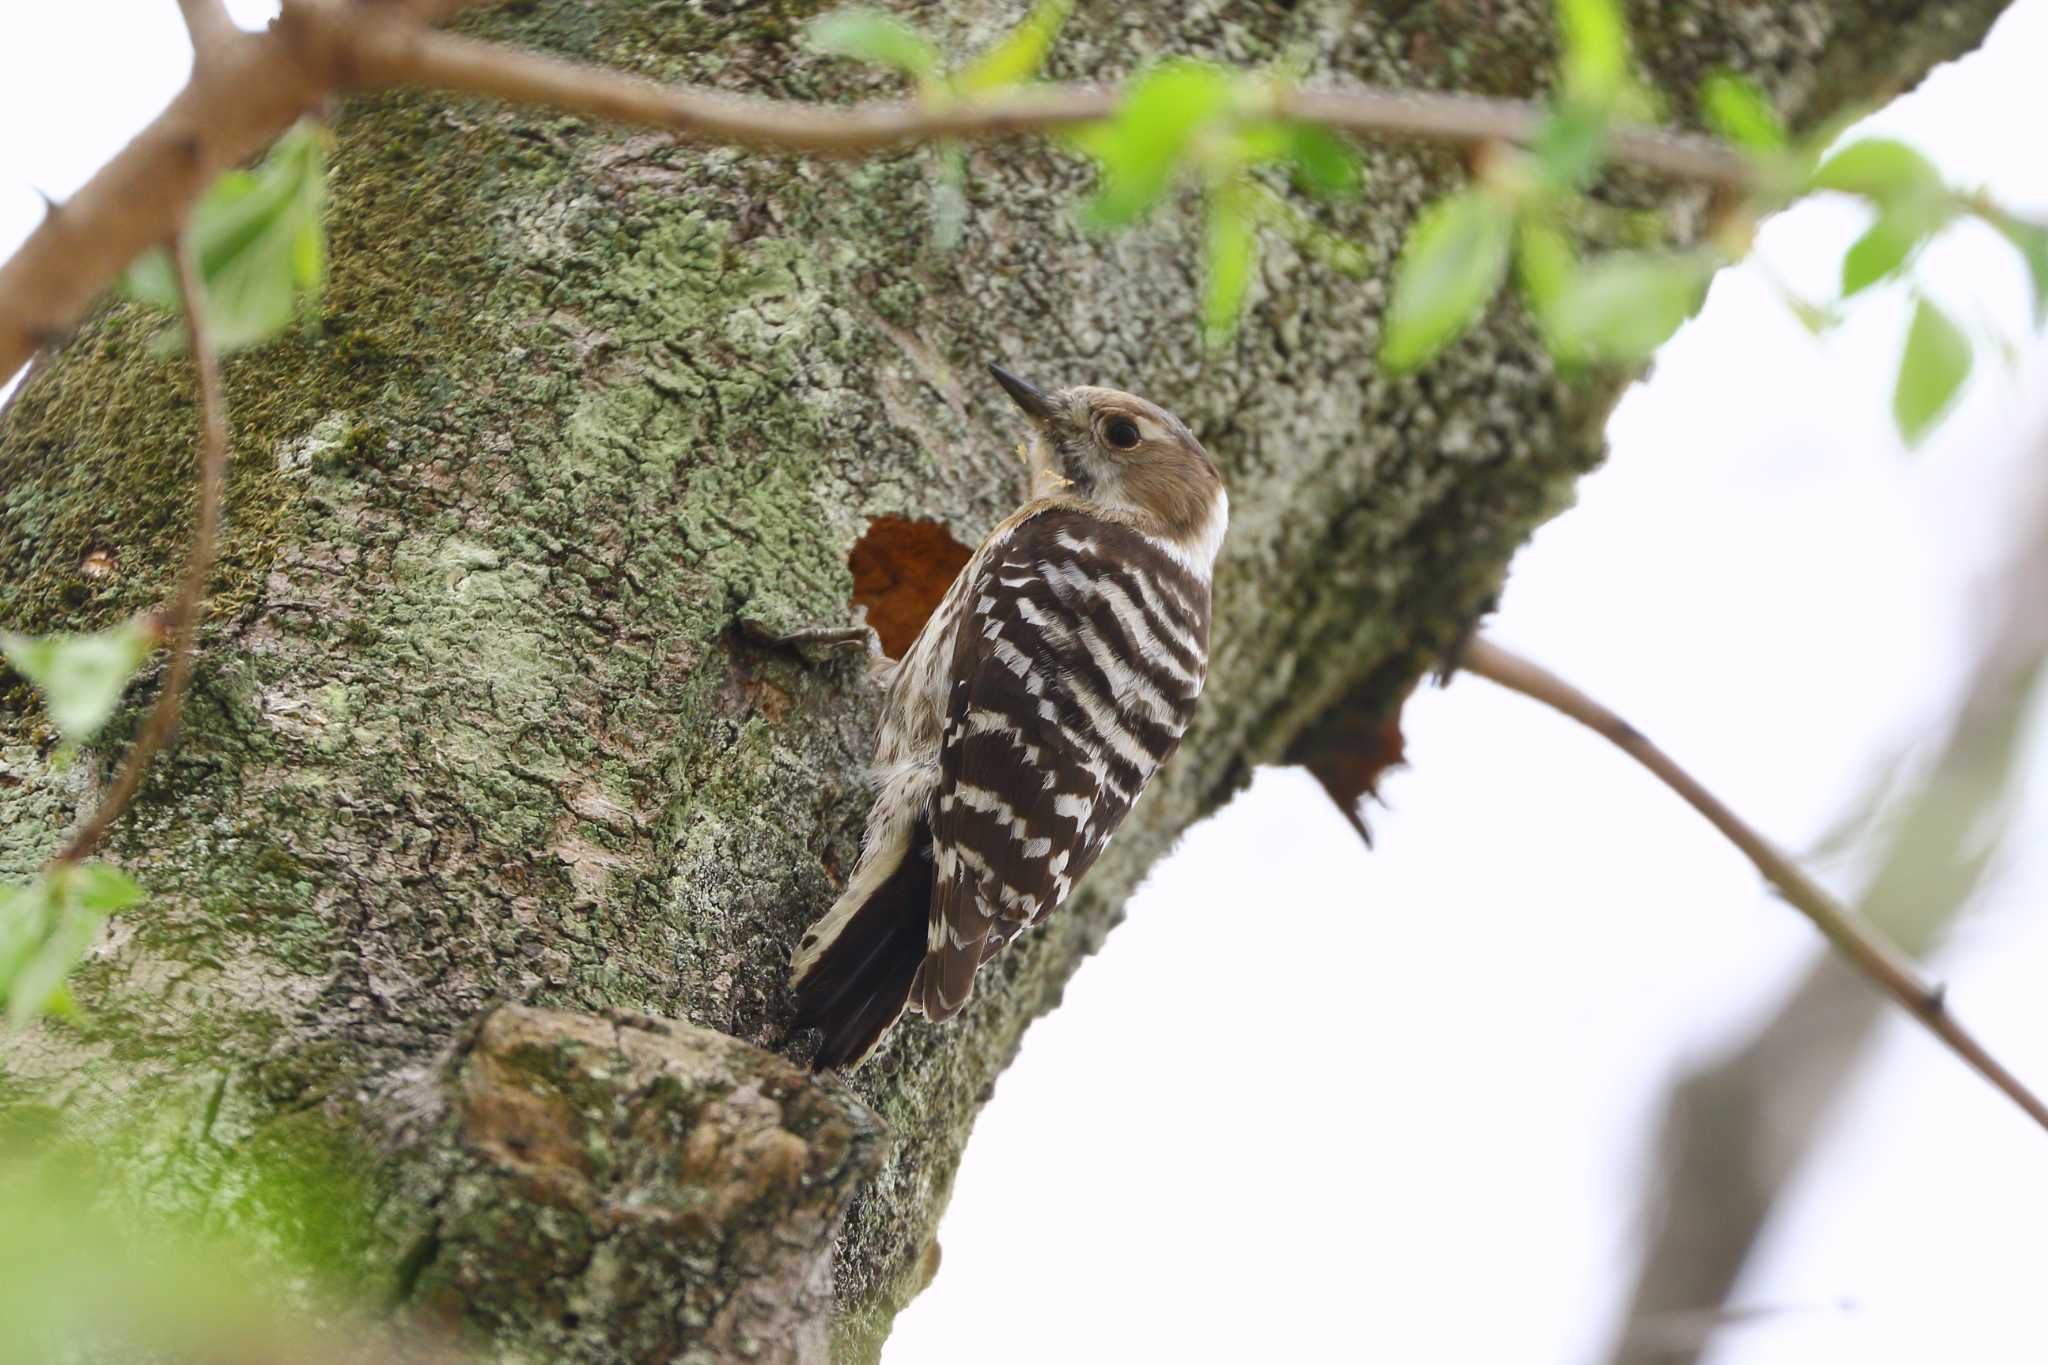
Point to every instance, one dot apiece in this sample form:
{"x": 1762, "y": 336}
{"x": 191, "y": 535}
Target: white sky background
{"x": 1316, "y": 1104}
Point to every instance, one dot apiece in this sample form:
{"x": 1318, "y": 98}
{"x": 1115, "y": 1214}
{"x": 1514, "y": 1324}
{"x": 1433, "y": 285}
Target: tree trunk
{"x": 484, "y": 772}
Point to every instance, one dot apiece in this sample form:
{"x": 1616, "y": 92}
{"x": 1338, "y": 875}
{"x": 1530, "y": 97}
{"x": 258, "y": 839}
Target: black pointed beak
{"x": 1028, "y": 396}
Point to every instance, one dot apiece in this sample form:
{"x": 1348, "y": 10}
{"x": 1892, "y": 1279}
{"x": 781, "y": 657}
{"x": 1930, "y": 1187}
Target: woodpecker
{"x": 1056, "y": 676}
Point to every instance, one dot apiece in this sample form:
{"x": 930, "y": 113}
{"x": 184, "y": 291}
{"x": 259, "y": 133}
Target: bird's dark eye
{"x": 1121, "y": 432}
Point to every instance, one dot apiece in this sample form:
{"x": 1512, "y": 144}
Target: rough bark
{"x": 478, "y": 721}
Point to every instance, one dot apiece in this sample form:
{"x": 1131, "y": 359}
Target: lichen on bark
{"x": 478, "y": 734}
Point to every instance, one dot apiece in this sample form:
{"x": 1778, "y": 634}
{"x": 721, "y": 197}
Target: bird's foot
{"x": 813, "y": 641}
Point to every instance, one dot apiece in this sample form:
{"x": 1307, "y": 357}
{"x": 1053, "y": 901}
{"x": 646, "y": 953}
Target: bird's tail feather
{"x": 855, "y": 986}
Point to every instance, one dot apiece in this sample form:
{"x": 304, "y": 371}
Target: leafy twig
{"x": 418, "y": 57}
{"x": 183, "y": 620}
{"x": 247, "y": 88}
{"x": 1877, "y": 960}
{"x": 1473, "y": 120}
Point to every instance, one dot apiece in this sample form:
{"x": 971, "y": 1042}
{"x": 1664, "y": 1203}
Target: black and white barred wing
{"x": 1074, "y": 677}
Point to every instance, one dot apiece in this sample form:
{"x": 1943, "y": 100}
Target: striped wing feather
{"x": 1075, "y": 674}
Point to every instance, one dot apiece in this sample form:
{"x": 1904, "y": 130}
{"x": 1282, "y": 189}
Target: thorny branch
{"x": 1868, "y": 952}
{"x": 183, "y": 621}
{"x": 247, "y": 88}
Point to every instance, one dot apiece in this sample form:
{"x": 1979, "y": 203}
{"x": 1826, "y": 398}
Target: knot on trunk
{"x": 630, "y": 1188}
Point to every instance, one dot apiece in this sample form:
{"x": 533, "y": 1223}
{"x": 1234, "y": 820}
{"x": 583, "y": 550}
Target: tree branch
{"x": 438, "y": 11}
{"x": 1877, "y": 960}
{"x": 208, "y": 25}
{"x": 183, "y": 623}
{"x": 446, "y": 61}
{"x": 251, "y": 87}
{"x": 1736, "y": 1130}
{"x": 1467, "y": 120}
{"x": 421, "y": 57}
{"x": 241, "y": 104}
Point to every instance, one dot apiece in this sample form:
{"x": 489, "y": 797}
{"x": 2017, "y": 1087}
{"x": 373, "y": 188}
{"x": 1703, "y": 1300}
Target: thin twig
{"x": 421, "y": 57}
{"x": 183, "y": 623}
{"x": 1883, "y": 964}
{"x": 252, "y": 86}
{"x": 1736, "y": 1129}
{"x": 1467, "y": 120}
{"x": 446, "y": 61}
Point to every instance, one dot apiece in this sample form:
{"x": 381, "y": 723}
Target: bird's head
{"x": 1130, "y": 458}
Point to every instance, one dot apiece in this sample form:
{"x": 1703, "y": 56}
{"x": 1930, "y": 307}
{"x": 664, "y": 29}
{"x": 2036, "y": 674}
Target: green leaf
{"x": 1571, "y": 144}
{"x": 1233, "y": 251}
{"x": 46, "y": 928}
{"x": 1545, "y": 265}
{"x": 81, "y": 677}
{"x": 1878, "y": 168}
{"x": 1323, "y": 163}
{"x": 1740, "y": 112}
{"x": 1595, "y": 49}
{"x": 260, "y": 244}
{"x": 104, "y": 889}
{"x": 1931, "y": 372}
{"x": 152, "y": 278}
{"x": 2031, "y": 241}
{"x": 22, "y": 927}
{"x": 1620, "y": 308}
{"x": 1020, "y": 53}
{"x": 870, "y": 36}
{"x": 1882, "y": 249}
{"x": 68, "y": 932}
{"x": 1452, "y": 263}
{"x": 1140, "y": 149}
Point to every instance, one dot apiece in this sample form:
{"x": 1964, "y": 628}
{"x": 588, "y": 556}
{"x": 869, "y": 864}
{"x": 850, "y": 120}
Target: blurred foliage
{"x": 262, "y": 252}
{"x": 81, "y": 677}
{"x": 1185, "y": 118}
{"x": 868, "y": 35}
{"x": 45, "y": 929}
{"x": 2031, "y": 241}
{"x": 1140, "y": 152}
{"x": 1932, "y": 371}
{"x": 1181, "y": 118}
{"x": 883, "y": 40}
{"x": 101, "y": 1263}
{"x": 260, "y": 245}
{"x": 1233, "y": 249}
{"x": 1019, "y": 55}
{"x": 1738, "y": 111}
{"x": 1621, "y": 307}
{"x": 1454, "y": 260}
